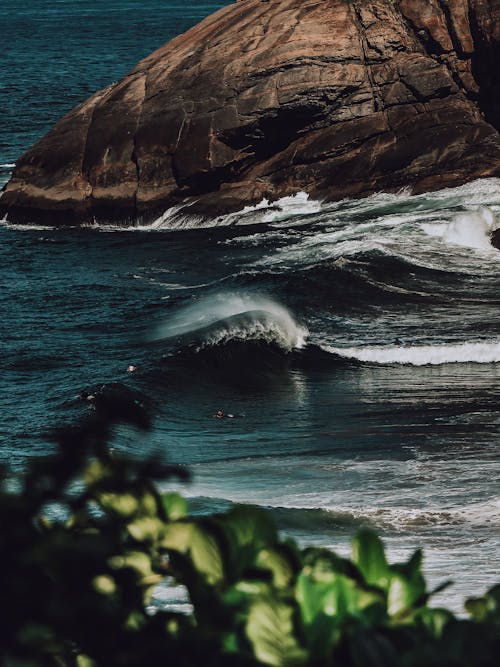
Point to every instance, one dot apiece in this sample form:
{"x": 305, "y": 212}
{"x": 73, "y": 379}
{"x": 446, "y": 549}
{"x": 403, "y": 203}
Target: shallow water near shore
{"x": 358, "y": 342}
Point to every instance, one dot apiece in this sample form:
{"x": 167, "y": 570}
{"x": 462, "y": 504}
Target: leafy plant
{"x": 87, "y": 536}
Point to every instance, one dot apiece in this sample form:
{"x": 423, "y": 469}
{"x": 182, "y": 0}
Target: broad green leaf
{"x": 177, "y": 536}
{"x": 124, "y": 504}
{"x": 206, "y": 555}
{"x": 280, "y": 566}
{"x": 401, "y": 594}
{"x": 407, "y": 587}
{"x": 174, "y": 505}
{"x": 330, "y": 562}
{"x": 369, "y": 555}
{"x": 136, "y": 560}
{"x": 84, "y": 661}
{"x": 271, "y": 632}
{"x": 477, "y": 608}
{"x": 95, "y": 472}
{"x": 244, "y": 532}
{"x": 196, "y": 541}
{"x": 339, "y": 597}
{"x": 244, "y": 591}
{"x": 146, "y": 529}
{"x": 435, "y": 620}
{"x": 486, "y": 608}
{"x": 104, "y": 584}
{"x": 148, "y": 504}
{"x": 251, "y": 526}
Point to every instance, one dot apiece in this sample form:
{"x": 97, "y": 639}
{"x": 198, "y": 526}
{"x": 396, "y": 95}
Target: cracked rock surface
{"x": 339, "y": 98}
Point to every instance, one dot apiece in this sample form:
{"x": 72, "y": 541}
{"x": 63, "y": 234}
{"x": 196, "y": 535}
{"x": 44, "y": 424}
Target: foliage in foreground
{"x": 75, "y": 588}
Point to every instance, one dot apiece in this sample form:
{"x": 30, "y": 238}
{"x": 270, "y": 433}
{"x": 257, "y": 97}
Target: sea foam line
{"x": 424, "y": 355}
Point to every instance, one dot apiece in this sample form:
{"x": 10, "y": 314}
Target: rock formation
{"x": 269, "y": 97}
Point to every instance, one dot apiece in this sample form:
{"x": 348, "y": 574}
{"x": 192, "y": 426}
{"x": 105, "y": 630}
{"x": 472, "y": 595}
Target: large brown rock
{"x": 266, "y": 98}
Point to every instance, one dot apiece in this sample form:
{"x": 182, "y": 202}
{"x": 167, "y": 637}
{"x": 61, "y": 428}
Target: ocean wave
{"x": 295, "y": 516}
{"x": 422, "y": 355}
{"x": 225, "y": 318}
{"x": 471, "y": 229}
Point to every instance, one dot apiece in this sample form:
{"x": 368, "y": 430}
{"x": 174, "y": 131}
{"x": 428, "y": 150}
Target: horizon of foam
{"x": 421, "y": 355}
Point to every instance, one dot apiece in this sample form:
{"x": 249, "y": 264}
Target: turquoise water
{"x": 359, "y": 340}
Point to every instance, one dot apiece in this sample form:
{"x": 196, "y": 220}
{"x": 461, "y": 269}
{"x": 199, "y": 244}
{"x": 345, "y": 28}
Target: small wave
{"x": 7, "y": 165}
{"x": 225, "y": 318}
{"x": 297, "y": 516}
{"x": 423, "y": 355}
{"x": 22, "y": 227}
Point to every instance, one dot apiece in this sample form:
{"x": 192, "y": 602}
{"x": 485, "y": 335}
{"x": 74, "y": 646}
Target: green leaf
{"x": 206, "y": 555}
{"x": 243, "y": 532}
{"x": 402, "y": 594}
{"x": 147, "y": 504}
{"x": 486, "y": 608}
{"x": 251, "y": 526}
{"x": 280, "y": 566}
{"x": 146, "y": 529}
{"x": 435, "y": 620}
{"x": 177, "y": 536}
{"x": 104, "y": 584}
{"x": 124, "y": 504}
{"x": 407, "y": 588}
{"x": 270, "y": 630}
{"x": 331, "y": 562}
{"x": 327, "y": 600}
{"x": 95, "y": 472}
{"x": 369, "y": 555}
{"x": 174, "y": 505}
{"x": 196, "y": 541}
{"x": 136, "y": 560}
{"x": 84, "y": 661}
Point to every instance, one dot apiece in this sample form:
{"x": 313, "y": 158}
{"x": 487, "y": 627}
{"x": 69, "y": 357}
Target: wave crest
{"x": 225, "y": 318}
{"x": 422, "y": 355}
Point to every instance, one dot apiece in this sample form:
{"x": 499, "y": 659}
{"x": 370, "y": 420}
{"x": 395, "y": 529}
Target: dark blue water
{"x": 359, "y": 341}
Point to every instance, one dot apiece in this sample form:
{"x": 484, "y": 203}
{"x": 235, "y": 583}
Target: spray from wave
{"x": 224, "y": 318}
{"x": 422, "y": 355}
{"x": 472, "y": 229}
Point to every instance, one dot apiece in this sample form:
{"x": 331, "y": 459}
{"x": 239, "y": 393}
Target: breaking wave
{"x": 229, "y": 318}
{"x": 471, "y": 229}
{"x": 422, "y": 355}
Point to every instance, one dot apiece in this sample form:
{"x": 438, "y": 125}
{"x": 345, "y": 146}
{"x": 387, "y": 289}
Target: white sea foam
{"x": 23, "y": 227}
{"x": 422, "y": 355}
{"x": 471, "y": 229}
{"x": 229, "y": 317}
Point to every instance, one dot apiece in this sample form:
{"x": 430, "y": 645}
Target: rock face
{"x": 269, "y": 97}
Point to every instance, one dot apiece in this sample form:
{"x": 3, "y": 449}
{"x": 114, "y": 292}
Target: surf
{"x": 421, "y": 355}
{"x": 224, "y": 318}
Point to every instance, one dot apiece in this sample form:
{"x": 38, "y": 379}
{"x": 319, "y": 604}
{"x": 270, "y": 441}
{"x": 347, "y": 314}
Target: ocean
{"x": 357, "y": 342}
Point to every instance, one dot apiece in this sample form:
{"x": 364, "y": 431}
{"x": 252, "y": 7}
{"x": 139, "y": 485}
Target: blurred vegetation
{"x": 87, "y": 536}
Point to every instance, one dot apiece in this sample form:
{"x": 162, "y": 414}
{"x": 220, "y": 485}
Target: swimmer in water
{"x": 220, "y": 415}
{"x": 131, "y": 368}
